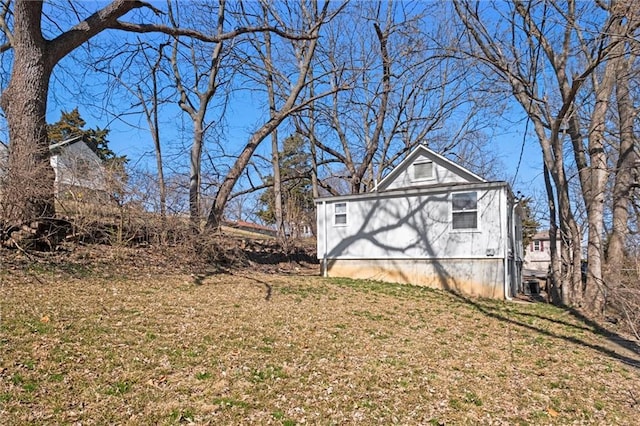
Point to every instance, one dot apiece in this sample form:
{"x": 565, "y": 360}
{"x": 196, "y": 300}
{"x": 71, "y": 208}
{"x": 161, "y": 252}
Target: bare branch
{"x": 209, "y": 38}
{"x": 99, "y": 21}
{"x": 4, "y": 26}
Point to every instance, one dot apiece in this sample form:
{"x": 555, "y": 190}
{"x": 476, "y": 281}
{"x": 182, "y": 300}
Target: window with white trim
{"x": 423, "y": 170}
{"x": 464, "y": 208}
{"x": 537, "y": 245}
{"x": 340, "y": 214}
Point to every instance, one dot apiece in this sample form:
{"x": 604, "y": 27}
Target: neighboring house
{"x": 251, "y": 227}
{"x": 79, "y": 171}
{"x": 429, "y": 222}
{"x": 537, "y": 257}
{"x": 77, "y": 168}
{"x": 4, "y": 158}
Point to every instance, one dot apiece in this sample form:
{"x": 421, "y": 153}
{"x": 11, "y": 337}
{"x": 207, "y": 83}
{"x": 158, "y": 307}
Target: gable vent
{"x": 423, "y": 170}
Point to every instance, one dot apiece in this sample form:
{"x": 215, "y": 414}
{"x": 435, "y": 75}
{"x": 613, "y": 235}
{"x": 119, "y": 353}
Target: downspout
{"x": 325, "y": 267}
{"x": 506, "y": 283}
{"x": 514, "y": 240}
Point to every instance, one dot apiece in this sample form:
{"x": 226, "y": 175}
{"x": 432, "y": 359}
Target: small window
{"x": 464, "y": 207}
{"x": 340, "y": 214}
{"x": 537, "y": 246}
{"x": 423, "y": 170}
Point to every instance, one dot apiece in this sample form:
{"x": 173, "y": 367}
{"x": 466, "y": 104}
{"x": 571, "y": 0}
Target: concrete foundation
{"x": 473, "y": 277}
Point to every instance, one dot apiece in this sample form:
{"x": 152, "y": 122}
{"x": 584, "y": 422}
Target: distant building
{"x": 537, "y": 257}
{"x": 78, "y": 170}
{"x": 251, "y": 227}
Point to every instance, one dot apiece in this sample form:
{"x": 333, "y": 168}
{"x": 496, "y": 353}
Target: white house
{"x": 77, "y": 167}
{"x": 429, "y": 222}
{"x": 4, "y": 158}
{"x": 537, "y": 257}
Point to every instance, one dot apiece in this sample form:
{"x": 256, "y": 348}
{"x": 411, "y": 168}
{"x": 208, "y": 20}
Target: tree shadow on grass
{"x": 268, "y": 288}
{"x": 198, "y": 279}
{"x": 614, "y": 338}
{"x": 449, "y": 283}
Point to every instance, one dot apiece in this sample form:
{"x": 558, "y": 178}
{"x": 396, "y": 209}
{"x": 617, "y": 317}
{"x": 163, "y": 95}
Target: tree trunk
{"x": 216, "y": 213}
{"x": 277, "y": 187}
{"x": 593, "y": 178}
{"x": 275, "y": 157}
{"x": 312, "y": 139}
{"x": 152, "y": 120}
{"x": 194, "y": 175}
{"x": 554, "y": 289}
{"x": 625, "y": 166}
{"x": 30, "y": 186}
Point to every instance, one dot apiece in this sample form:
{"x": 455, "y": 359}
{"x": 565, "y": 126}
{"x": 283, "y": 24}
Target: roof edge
{"x": 429, "y": 151}
{"x": 420, "y": 190}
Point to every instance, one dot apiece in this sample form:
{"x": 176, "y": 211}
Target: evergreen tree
{"x": 295, "y": 169}
{"x": 71, "y": 125}
{"x": 529, "y": 223}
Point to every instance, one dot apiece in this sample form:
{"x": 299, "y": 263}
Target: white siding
{"x": 77, "y": 165}
{"x": 4, "y": 159}
{"x": 404, "y": 177}
{"x": 414, "y": 227}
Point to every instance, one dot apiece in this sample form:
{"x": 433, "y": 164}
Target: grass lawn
{"x": 250, "y": 348}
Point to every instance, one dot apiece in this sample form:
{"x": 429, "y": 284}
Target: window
{"x": 423, "y": 170}
{"x": 536, "y": 245}
{"x": 464, "y": 207}
{"x": 340, "y": 214}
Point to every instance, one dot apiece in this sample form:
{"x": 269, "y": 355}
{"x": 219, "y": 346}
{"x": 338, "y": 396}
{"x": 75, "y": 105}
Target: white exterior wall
{"x": 475, "y": 277}
{"x": 539, "y": 261}
{"x": 404, "y": 231}
{"x": 441, "y": 174}
{"x": 4, "y": 159}
{"x": 78, "y": 166}
{"x": 412, "y": 227}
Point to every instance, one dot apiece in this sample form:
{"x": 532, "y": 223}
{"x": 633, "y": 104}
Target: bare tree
{"x": 394, "y": 88}
{"x": 24, "y": 101}
{"x": 144, "y": 78}
{"x": 151, "y": 111}
{"x": 264, "y": 49}
{"x": 34, "y": 57}
{"x": 290, "y": 104}
{"x": 626, "y": 166}
{"x": 542, "y": 53}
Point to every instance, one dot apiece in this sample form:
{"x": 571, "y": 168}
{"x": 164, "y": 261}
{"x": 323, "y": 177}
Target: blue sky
{"x": 130, "y": 135}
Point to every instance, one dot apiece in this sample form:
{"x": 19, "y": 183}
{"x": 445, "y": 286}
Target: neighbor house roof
{"x": 53, "y": 146}
{"x": 70, "y": 141}
{"x": 542, "y": 235}
{"x": 418, "y": 190}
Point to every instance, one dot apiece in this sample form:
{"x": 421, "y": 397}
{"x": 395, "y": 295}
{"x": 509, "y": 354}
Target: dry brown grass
{"x": 99, "y": 347}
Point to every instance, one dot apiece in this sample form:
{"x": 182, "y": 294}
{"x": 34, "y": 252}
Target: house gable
{"x": 4, "y": 158}
{"x": 424, "y": 167}
{"x": 76, "y": 165}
